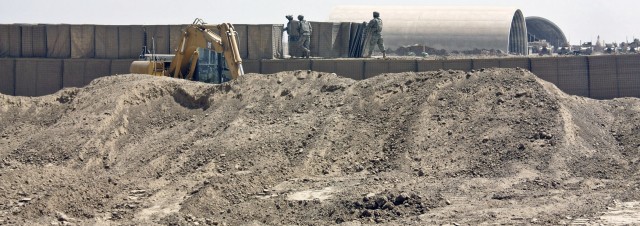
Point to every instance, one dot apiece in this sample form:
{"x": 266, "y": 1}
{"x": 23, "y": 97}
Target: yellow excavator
{"x": 195, "y": 38}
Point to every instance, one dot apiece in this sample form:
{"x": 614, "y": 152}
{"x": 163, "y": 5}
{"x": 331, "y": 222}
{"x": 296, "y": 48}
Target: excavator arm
{"x": 198, "y": 35}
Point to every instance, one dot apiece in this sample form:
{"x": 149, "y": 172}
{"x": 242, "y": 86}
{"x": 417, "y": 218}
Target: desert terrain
{"x": 491, "y": 146}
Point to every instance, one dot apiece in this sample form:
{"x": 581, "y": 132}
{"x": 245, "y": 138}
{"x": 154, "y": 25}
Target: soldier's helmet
{"x": 376, "y": 14}
{"x": 300, "y": 17}
{"x": 289, "y": 17}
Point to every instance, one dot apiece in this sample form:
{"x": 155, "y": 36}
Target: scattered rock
{"x": 63, "y": 217}
{"x": 366, "y": 213}
{"x": 387, "y": 206}
{"x": 400, "y": 199}
{"x": 521, "y": 94}
{"x": 138, "y": 192}
{"x": 381, "y": 200}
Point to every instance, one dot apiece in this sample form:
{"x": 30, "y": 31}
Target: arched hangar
{"x": 441, "y": 27}
{"x": 539, "y": 28}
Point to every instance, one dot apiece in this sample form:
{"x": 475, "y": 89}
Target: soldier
{"x": 294, "y": 35}
{"x": 305, "y": 35}
{"x": 375, "y": 29}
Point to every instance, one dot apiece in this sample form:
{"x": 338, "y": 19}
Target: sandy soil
{"x": 307, "y": 148}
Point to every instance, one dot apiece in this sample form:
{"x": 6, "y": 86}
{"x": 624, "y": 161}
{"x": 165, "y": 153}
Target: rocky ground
{"x": 307, "y": 148}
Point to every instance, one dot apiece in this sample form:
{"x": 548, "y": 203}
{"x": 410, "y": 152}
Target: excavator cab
{"x": 206, "y": 53}
{"x": 211, "y": 67}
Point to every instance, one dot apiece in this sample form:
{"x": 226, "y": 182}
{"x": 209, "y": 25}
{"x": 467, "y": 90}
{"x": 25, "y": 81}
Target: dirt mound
{"x": 489, "y": 146}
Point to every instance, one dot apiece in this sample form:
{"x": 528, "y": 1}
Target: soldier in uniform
{"x": 305, "y": 35}
{"x": 375, "y": 29}
{"x": 294, "y": 36}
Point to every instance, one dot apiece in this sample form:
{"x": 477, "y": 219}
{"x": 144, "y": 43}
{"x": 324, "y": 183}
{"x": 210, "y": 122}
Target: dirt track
{"x": 308, "y": 148}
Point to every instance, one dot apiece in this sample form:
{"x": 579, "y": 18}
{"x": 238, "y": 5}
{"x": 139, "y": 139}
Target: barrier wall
{"x": 344, "y": 37}
{"x": 59, "y": 41}
{"x": 514, "y": 63}
{"x": 251, "y": 66}
{"x": 628, "y": 75}
{"x": 65, "y": 41}
{"x": 37, "y": 76}
{"x": 328, "y": 44}
{"x": 314, "y": 46}
{"x": 7, "y": 78}
{"x": 265, "y": 41}
{"x": 376, "y": 67}
{"x": 160, "y": 36}
{"x": 10, "y": 40}
{"x": 350, "y": 68}
{"x": 373, "y": 68}
{"x": 95, "y": 69}
{"x": 5, "y": 43}
{"x": 485, "y": 63}
{"x": 324, "y": 66}
{"x": 300, "y": 64}
{"x": 573, "y": 75}
{"x": 545, "y": 68}
{"x": 598, "y": 77}
{"x": 603, "y": 77}
{"x": 107, "y": 42}
{"x": 82, "y": 41}
{"x": 130, "y": 41}
{"x": 119, "y": 67}
{"x": 175, "y": 34}
{"x": 25, "y": 77}
{"x": 34, "y": 40}
{"x": 243, "y": 40}
{"x": 430, "y": 65}
{"x": 464, "y": 65}
{"x": 73, "y": 73}
{"x": 272, "y": 66}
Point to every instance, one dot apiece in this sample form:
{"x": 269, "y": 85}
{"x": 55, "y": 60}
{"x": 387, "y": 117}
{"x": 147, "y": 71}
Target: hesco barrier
{"x": 37, "y": 76}
{"x": 57, "y": 45}
{"x": 598, "y": 77}
{"x": 86, "y": 41}
{"x": 82, "y": 41}
{"x": 7, "y": 76}
{"x": 34, "y": 40}
{"x": 107, "y": 42}
{"x": 628, "y": 75}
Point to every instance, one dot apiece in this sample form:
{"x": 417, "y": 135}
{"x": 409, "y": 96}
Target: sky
{"x": 581, "y": 21}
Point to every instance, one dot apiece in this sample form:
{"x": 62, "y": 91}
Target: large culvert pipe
{"x": 450, "y": 28}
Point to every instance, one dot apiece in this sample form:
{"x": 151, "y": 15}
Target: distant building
{"x": 541, "y": 47}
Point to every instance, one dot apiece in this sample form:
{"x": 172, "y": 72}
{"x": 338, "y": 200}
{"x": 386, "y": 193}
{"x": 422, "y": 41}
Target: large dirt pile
{"x": 308, "y": 148}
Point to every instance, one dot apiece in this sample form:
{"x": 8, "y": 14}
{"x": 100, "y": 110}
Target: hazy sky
{"x": 613, "y": 20}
